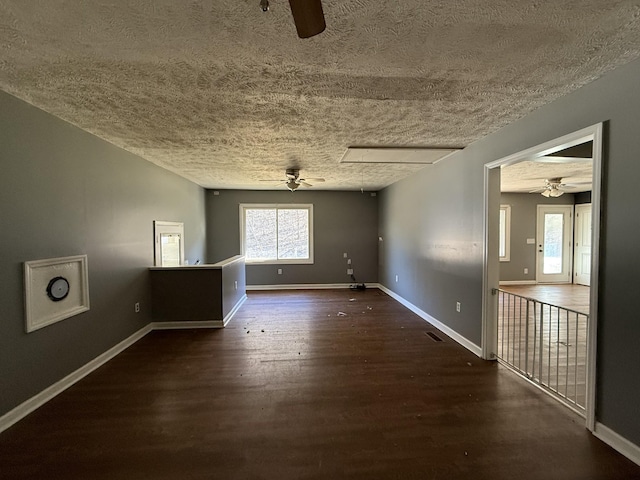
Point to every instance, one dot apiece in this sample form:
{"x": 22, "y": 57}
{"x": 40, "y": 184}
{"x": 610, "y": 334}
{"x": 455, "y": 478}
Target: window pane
{"x": 503, "y": 232}
{"x": 260, "y": 234}
{"x": 553, "y": 233}
{"x": 293, "y": 234}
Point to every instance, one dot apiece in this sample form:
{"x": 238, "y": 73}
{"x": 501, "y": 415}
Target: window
{"x": 505, "y": 233}
{"x": 276, "y": 234}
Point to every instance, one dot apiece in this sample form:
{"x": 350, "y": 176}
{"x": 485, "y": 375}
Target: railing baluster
{"x": 526, "y": 339}
{"x": 575, "y": 381}
{"x": 566, "y": 378}
{"x": 557, "y": 348}
{"x": 511, "y": 309}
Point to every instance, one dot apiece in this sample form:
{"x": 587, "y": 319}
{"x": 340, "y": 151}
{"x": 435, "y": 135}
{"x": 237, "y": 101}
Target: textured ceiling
{"x": 226, "y": 95}
{"x": 573, "y": 165}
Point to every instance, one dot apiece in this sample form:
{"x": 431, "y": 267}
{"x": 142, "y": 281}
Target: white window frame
{"x": 271, "y": 206}
{"x": 507, "y": 234}
{"x": 160, "y": 228}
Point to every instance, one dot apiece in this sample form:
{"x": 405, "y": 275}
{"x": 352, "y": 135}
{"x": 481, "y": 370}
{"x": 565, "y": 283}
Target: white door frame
{"x": 567, "y": 239}
{"x": 491, "y": 262}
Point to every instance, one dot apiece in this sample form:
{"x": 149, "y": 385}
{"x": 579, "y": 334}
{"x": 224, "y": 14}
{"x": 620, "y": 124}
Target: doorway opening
{"x": 552, "y": 241}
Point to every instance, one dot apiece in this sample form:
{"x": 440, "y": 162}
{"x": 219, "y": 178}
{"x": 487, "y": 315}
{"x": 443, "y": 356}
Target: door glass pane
{"x": 293, "y": 234}
{"x": 553, "y": 234}
{"x": 261, "y": 234}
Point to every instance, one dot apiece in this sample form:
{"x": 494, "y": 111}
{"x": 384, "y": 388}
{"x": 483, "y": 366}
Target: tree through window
{"x": 277, "y": 234}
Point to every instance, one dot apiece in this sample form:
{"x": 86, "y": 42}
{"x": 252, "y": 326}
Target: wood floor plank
{"x": 292, "y": 389}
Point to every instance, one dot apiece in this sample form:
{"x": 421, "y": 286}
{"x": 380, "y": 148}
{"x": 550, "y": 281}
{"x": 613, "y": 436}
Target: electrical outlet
{"x": 279, "y": 271}
{"x": 136, "y": 307}
{"x": 458, "y": 307}
{"x": 344, "y": 255}
{"x": 349, "y": 271}
{"x": 526, "y": 271}
{"x": 235, "y": 284}
{"x": 396, "y": 278}
{"x": 349, "y": 261}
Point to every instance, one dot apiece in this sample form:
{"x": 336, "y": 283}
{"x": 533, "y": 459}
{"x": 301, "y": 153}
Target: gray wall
{"x": 344, "y": 222}
{"x": 524, "y": 212}
{"x": 66, "y": 192}
{"x": 432, "y": 228}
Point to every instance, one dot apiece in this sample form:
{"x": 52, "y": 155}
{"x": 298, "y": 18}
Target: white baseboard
{"x": 306, "y": 286}
{"x": 518, "y": 282}
{"x": 233, "y": 311}
{"x": 186, "y": 324}
{"x": 618, "y": 442}
{"x": 466, "y": 343}
{"x": 25, "y": 408}
{"x": 177, "y": 325}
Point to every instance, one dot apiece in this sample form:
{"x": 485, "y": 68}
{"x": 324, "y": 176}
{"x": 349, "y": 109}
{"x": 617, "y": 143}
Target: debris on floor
{"x": 342, "y": 314}
{"x": 352, "y": 299}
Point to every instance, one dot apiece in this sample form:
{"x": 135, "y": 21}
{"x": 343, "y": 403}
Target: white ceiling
{"x": 226, "y": 95}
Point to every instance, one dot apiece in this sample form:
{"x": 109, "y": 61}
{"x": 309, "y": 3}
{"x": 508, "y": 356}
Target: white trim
{"x": 233, "y": 311}
{"x": 39, "y": 314}
{"x": 25, "y": 408}
{"x": 188, "y": 324}
{"x": 592, "y": 336}
{"x": 561, "y": 143}
{"x": 177, "y": 325}
{"x": 305, "y": 286}
{"x": 593, "y": 133}
{"x": 518, "y": 282}
{"x": 28, "y": 406}
{"x": 618, "y": 442}
{"x": 466, "y": 343}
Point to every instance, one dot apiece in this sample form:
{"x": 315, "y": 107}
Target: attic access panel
{"x": 396, "y": 155}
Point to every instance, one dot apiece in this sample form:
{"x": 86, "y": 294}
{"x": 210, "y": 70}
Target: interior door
{"x": 554, "y": 242}
{"x": 582, "y": 245}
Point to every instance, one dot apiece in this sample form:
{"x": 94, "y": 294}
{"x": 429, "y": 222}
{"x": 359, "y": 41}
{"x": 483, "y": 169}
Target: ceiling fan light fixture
{"x": 308, "y": 17}
{"x": 552, "y": 191}
{"x": 292, "y": 185}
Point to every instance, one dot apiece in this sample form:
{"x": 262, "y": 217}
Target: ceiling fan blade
{"x": 538, "y": 190}
{"x": 302, "y": 182}
{"x": 308, "y": 17}
{"x": 575, "y": 184}
{"x": 315, "y": 179}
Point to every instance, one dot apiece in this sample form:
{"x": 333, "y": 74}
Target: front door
{"x": 554, "y": 236}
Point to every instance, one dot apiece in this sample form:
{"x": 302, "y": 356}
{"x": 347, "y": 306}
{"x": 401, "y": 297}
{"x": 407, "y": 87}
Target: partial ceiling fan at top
{"x": 292, "y": 180}
{"x": 308, "y": 16}
{"x": 555, "y": 188}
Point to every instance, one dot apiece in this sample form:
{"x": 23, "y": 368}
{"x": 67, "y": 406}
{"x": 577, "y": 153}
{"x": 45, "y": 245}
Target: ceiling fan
{"x": 554, "y": 187}
{"x": 292, "y": 180}
{"x": 307, "y": 16}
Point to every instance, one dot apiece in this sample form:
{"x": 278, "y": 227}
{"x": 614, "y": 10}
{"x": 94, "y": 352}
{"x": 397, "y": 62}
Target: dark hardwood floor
{"x": 293, "y": 390}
